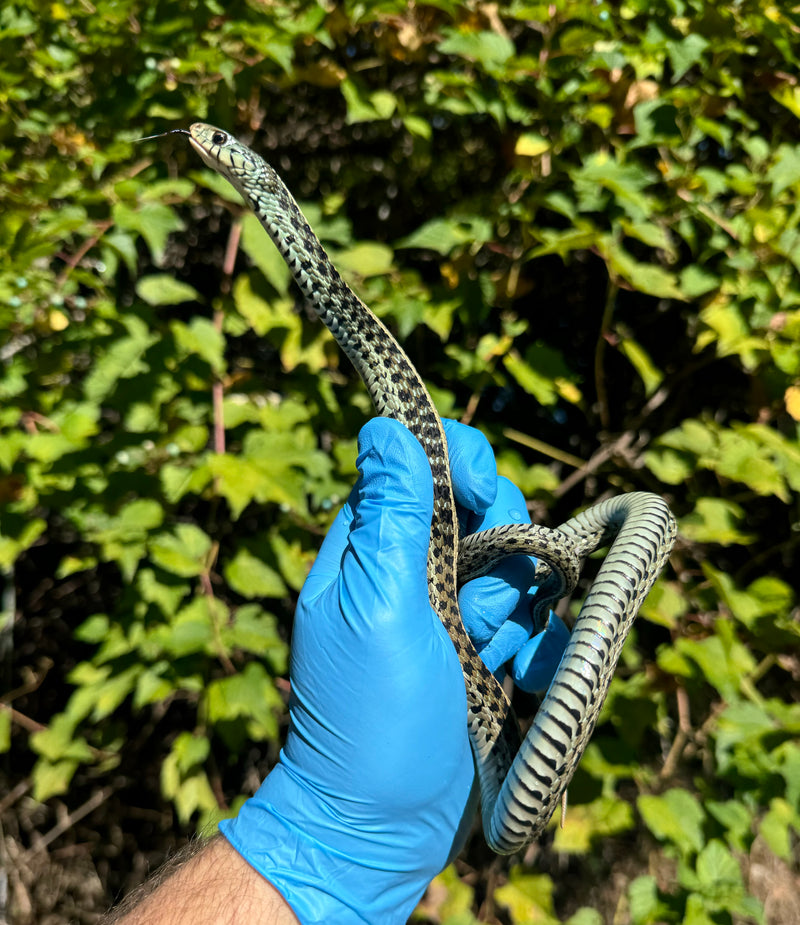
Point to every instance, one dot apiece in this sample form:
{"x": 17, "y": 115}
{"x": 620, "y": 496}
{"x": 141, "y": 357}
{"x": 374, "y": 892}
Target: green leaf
{"x": 366, "y": 259}
{"x": 123, "y": 360}
{"x": 211, "y": 180}
{"x": 644, "y": 277}
{"x": 191, "y": 630}
{"x": 163, "y": 289}
{"x": 776, "y": 825}
{"x": 109, "y": 694}
{"x": 588, "y": 821}
{"x": 785, "y": 171}
{"x": 259, "y": 314}
{"x": 250, "y": 697}
{"x": 52, "y": 778}
{"x": 646, "y": 905}
{"x": 715, "y": 520}
{"x": 152, "y": 687}
{"x": 527, "y": 897}
{"x": 5, "y": 730}
{"x": 12, "y": 547}
{"x": 178, "y": 481}
{"x": 251, "y": 577}
{"x": 154, "y": 221}
{"x": 723, "y": 660}
{"x": 94, "y": 629}
{"x": 675, "y": 816}
{"x": 585, "y": 916}
{"x": 685, "y": 54}
{"x": 259, "y": 248}
{"x": 696, "y": 281}
{"x": 541, "y": 387}
{"x": 651, "y": 376}
{"x": 190, "y": 750}
{"x": 490, "y": 49}
{"x": 201, "y": 337}
{"x": 736, "y": 819}
{"x": 730, "y": 333}
{"x": 665, "y": 604}
{"x": 367, "y": 107}
{"x": 531, "y": 144}
{"x": 293, "y": 561}
{"x": 626, "y": 182}
{"x": 166, "y": 593}
{"x": 58, "y": 741}
{"x": 717, "y": 883}
{"x": 182, "y": 552}
{"x": 183, "y": 781}
{"x": 139, "y": 517}
{"x": 254, "y": 630}
{"x": 445, "y": 235}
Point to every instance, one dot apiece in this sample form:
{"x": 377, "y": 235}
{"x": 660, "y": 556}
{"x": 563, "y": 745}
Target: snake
{"x": 521, "y": 781}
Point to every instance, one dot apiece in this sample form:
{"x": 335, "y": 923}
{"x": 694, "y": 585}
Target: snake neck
{"x": 395, "y": 387}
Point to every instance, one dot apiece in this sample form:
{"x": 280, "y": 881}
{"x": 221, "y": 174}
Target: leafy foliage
{"x": 580, "y": 217}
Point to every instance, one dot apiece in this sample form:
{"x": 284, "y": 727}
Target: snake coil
{"x": 521, "y": 782}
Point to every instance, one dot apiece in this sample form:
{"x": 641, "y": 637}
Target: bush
{"x": 581, "y": 219}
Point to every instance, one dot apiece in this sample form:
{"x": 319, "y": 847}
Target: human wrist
{"x": 326, "y": 868}
{"x": 208, "y": 884}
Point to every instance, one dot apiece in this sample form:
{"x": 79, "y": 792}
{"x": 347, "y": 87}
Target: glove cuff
{"x": 290, "y": 836}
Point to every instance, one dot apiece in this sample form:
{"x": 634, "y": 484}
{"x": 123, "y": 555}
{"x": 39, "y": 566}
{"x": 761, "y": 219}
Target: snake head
{"x": 212, "y": 144}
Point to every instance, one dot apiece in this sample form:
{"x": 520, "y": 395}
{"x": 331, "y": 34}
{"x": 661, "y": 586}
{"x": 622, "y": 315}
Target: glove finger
{"x": 488, "y": 602}
{"x": 474, "y": 477}
{"x": 472, "y": 467}
{"x": 496, "y": 608}
{"x": 537, "y": 661}
{"x": 509, "y": 639}
{"x": 375, "y": 559}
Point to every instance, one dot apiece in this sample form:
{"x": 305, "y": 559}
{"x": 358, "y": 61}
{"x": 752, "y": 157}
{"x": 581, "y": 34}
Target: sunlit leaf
{"x": 251, "y": 577}
{"x": 675, "y": 816}
{"x": 163, "y": 289}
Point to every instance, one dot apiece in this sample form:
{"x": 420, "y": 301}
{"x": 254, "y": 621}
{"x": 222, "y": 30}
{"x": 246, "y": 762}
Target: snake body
{"x": 521, "y": 782}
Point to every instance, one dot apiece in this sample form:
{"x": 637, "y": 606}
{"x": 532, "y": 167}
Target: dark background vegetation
{"x": 581, "y": 219}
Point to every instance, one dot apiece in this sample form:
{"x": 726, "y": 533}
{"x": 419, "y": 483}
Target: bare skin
{"x": 215, "y": 886}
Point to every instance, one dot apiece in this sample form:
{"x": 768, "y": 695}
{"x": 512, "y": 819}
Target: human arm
{"x": 208, "y": 883}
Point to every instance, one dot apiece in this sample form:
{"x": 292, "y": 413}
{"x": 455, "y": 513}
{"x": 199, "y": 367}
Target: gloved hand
{"x": 497, "y": 608}
{"x": 373, "y": 793}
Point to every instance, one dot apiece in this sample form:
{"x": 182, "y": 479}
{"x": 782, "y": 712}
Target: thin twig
{"x": 13, "y": 795}
{"x": 208, "y": 591}
{"x": 599, "y": 354}
{"x": 681, "y": 736}
{"x": 22, "y": 720}
{"x": 33, "y": 683}
{"x": 69, "y": 821}
{"x": 546, "y": 449}
{"x": 472, "y": 407}
{"x": 622, "y": 443}
{"x": 74, "y": 259}
{"x": 218, "y": 387}
{"x": 596, "y": 460}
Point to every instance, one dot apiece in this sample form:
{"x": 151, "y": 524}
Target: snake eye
{"x": 219, "y": 138}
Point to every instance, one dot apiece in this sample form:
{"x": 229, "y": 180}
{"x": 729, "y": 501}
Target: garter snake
{"x": 521, "y": 782}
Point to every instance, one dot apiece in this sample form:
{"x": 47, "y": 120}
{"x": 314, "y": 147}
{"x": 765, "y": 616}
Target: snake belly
{"x": 520, "y": 782}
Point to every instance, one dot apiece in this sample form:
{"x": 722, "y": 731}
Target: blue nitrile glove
{"x": 496, "y": 608}
{"x": 371, "y": 796}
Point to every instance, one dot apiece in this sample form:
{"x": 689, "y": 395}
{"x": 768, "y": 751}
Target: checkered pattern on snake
{"x": 521, "y": 783}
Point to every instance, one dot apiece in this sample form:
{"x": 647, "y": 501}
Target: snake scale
{"x": 521, "y": 783}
